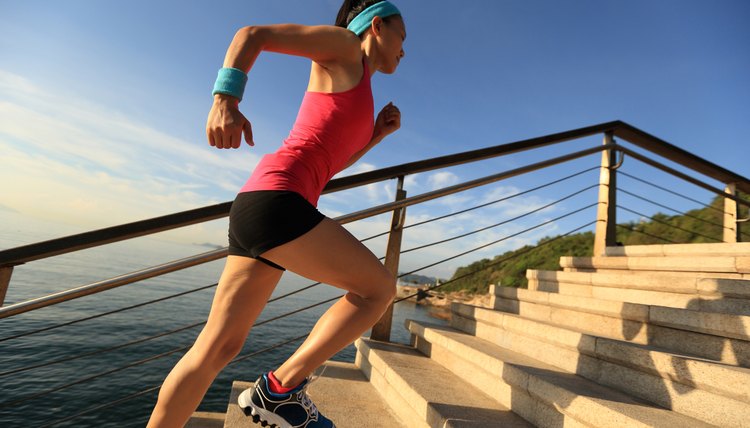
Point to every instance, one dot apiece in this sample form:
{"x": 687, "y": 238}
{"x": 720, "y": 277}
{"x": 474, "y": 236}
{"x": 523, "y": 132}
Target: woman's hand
{"x": 226, "y": 124}
{"x": 388, "y": 120}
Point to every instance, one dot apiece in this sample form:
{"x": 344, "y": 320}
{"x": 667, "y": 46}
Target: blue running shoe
{"x": 292, "y": 410}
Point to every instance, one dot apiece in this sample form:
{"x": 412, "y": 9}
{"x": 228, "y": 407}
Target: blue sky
{"x": 103, "y": 104}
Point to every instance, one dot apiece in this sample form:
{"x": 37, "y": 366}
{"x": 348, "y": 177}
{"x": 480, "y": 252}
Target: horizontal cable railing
{"x": 684, "y": 214}
{"x": 495, "y": 264}
{"x": 505, "y": 238}
{"x": 656, "y": 220}
{"x": 22, "y": 307}
{"x": 3, "y": 339}
{"x": 641, "y": 232}
{"x": 157, "y": 387}
{"x": 173, "y": 351}
{"x": 143, "y": 361}
{"x": 648, "y": 183}
{"x": 97, "y": 287}
{"x": 28, "y": 253}
{"x": 619, "y": 129}
{"x": 88, "y": 354}
{"x": 507, "y": 198}
{"x": 544, "y": 207}
{"x": 709, "y": 223}
{"x": 139, "y": 305}
{"x": 683, "y": 176}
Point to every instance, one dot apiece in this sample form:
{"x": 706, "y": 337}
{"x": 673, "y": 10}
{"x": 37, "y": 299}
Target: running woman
{"x": 274, "y": 224}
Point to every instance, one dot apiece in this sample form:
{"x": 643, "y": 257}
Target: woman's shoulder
{"x": 349, "y": 46}
{"x": 320, "y": 43}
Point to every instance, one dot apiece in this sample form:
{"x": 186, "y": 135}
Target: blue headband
{"x": 362, "y": 22}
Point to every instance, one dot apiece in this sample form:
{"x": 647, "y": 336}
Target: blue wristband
{"x": 230, "y": 81}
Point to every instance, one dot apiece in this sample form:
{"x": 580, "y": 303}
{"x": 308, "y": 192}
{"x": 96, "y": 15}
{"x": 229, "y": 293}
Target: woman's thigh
{"x": 330, "y": 254}
{"x": 245, "y": 286}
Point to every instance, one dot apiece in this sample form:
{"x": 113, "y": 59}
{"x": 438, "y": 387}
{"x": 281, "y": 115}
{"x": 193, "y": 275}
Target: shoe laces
{"x": 306, "y": 400}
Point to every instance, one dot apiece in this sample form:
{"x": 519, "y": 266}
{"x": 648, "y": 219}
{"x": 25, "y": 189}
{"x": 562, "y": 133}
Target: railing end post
{"x": 5, "y": 273}
{"x": 731, "y": 215}
{"x": 382, "y": 329}
{"x": 606, "y": 212}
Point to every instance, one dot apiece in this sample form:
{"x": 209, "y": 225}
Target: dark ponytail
{"x": 350, "y": 9}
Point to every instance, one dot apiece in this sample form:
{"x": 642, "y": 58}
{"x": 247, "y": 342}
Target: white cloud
{"x": 441, "y": 179}
{"x": 70, "y": 160}
{"x": 411, "y": 181}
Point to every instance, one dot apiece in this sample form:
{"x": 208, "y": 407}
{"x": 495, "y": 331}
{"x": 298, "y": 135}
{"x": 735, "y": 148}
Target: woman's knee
{"x": 390, "y": 289}
{"x": 218, "y": 351}
{"x": 382, "y": 288}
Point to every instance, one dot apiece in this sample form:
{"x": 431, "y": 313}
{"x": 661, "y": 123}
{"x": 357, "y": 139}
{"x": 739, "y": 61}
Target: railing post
{"x": 731, "y": 214}
{"x": 382, "y": 329}
{"x": 606, "y": 212}
{"x": 5, "y": 274}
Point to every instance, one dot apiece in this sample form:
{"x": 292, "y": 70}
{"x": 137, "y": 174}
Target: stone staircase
{"x": 655, "y": 336}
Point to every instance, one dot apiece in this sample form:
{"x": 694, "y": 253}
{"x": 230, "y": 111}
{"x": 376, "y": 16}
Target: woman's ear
{"x": 377, "y": 25}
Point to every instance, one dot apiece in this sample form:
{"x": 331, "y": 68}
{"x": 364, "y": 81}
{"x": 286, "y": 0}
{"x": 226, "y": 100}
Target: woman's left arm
{"x": 387, "y": 122}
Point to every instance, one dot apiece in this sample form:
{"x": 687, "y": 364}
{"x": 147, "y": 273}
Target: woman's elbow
{"x": 245, "y": 32}
{"x": 250, "y": 33}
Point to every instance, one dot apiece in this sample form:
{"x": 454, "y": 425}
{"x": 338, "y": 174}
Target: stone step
{"x": 666, "y": 282}
{"x": 508, "y": 375}
{"x": 342, "y": 393}
{"x": 686, "y": 274}
{"x": 738, "y": 266}
{"x": 692, "y": 250}
{"x": 206, "y": 420}
{"x": 700, "y": 294}
{"x": 678, "y": 330}
{"x": 424, "y": 394}
{"x": 717, "y": 324}
{"x": 692, "y": 386}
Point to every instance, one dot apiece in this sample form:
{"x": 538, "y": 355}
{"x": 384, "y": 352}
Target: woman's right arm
{"x": 327, "y": 45}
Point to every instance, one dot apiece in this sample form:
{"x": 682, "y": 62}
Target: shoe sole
{"x": 260, "y": 416}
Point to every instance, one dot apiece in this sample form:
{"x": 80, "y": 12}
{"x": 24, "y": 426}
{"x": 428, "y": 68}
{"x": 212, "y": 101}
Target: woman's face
{"x": 393, "y": 36}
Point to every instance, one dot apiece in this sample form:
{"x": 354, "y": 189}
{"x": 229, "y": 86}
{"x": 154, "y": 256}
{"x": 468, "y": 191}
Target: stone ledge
{"x": 514, "y": 332}
{"x": 586, "y": 401}
{"x": 419, "y": 389}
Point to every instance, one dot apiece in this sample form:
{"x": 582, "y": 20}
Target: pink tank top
{"x": 329, "y": 129}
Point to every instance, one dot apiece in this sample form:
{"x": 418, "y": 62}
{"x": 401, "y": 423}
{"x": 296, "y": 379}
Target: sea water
{"x": 50, "y": 394}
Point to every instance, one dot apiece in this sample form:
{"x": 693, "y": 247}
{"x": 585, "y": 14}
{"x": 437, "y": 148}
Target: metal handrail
{"x": 186, "y": 327}
{"x": 94, "y": 238}
{"x": 27, "y": 253}
{"x": 85, "y": 290}
{"x": 424, "y": 197}
{"x": 682, "y": 157}
{"x": 95, "y": 376}
{"x": 91, "y": 239}
{"x": 683, "y": 176}
{"x": 107, "y": 284}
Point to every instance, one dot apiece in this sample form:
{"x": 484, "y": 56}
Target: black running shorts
{"x": 263, "y": 219}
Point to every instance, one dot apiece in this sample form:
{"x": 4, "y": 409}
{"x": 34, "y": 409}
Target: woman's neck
{"x": 372, "y": 56}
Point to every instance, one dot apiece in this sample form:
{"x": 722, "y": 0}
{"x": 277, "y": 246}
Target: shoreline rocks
{"x": 440, "y": 302}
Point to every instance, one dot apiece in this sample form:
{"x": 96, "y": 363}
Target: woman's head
{"x": 351, "y": 8}
{"x": 380, "y": 19}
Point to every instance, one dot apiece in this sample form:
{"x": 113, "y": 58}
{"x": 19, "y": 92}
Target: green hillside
{"x": 700, "y": 225}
